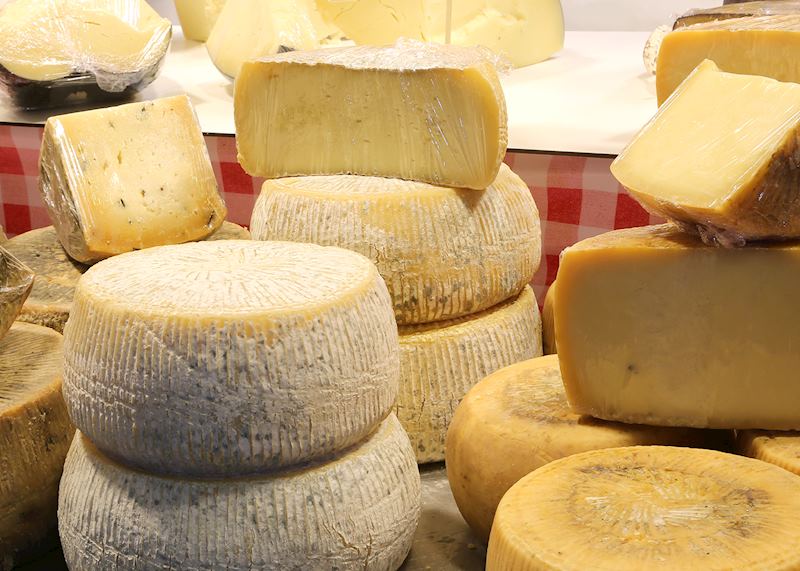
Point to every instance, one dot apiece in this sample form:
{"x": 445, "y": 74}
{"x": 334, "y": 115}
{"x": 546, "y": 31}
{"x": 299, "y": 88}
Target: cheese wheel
{"x": 444, "y": 252}
{"x": 358, "y": 511}
{"x": 779, "y": 448}
{"x": 517, "y": 420}
{"x": 57, "y": 274}
{"x": 230, "y": 357}
{"x": 549, "y": 322}
{"x": 440, "y": 362}
{"x": 652, "y": 507}
{"x": 16, "y": 281}
{"x": 35, "y": 433}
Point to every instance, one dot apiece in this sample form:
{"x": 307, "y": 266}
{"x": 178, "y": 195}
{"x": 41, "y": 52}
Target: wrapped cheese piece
{"x": 738, "y": 10}
{"x": 59, "y": 52}
{"x": 127, "y": 178}
{"x": 16, "y": 281}
{"x": 197, "y": 17}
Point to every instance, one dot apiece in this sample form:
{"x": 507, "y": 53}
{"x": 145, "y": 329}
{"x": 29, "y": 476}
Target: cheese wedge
{"x": 415, "y": 111}
{"x": 719, "y": 157}
{"x": 16, "y": 281}
{"x": 649, "y": 507}
{"x": 357, "y": 511}
{"x": 443, "y": 252}
{"x": 517, "y": 420}
{"x": 128, "y": 177}
{"x": 655, "y": 327}
{"x": 549, "y": 322}
{"x": 35, "y": 433}
{"x": 779, "y": 448}
{"x": 230, "y": 357}
{"x": 737, "y": 10}
{"x": 197, "y": 17}
{"x": 440, "y": 362}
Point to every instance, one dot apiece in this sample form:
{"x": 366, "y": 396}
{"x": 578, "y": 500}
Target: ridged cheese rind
{"x": 358, "y": 511}
{"x": 16, "y": 281}
{"x": 443, "y": 252}
{"x": 440, "y": 362}
{"x": 779, "y": 448}
{"x": 230, "y": 357}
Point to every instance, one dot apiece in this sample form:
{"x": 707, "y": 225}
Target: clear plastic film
{"x": 61, "y": 52}
{"x": 16, "y": 281}
{"x": 742, "y": 10}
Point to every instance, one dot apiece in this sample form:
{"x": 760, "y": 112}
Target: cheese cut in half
{"x": 549, "y": 322}
{"x": 128, "y": 177}
{"x": 517, "y": 420}
{"x": 57, "y": 274}
{"x": 230, "y": 357}
{"x": 197, "y": 17}
{"x": 740, "y": 10}
{"x": 649, "y": 507}
{"x": 35, "y": 433}
{"x": 440, "y": 362}
{"x": 357, "y": 511}
{"x": 779, "y": 448}
{"x": 424, "y": 112}
{"x": 761, "y": 45}
{"x": 719, "y": 157}
{"x": 16, "y": 281}
{"x": 443, "y": 252}
{"x": 655, "y": 327}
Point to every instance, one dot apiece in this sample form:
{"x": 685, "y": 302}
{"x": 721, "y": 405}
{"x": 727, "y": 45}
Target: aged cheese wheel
{"x": 16, "y": 281}
{"x": 779, "y": 448}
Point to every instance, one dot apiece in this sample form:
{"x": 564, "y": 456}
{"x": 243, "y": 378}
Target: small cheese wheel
{"x": 779, "y": 448}
{"x": 517, "y": 420}
{"x": 35, "y": 433}
{"x": 549, "y": 322}
{"x": 57, "y": 274}
{"x": 358, "y": 511}
{"x": 16, "y": 281}
{"x": 230, "y": 357}
{"x": 440, "y": 362}
{"x": 649, "y": 507}
{"x": 444, "y": 252}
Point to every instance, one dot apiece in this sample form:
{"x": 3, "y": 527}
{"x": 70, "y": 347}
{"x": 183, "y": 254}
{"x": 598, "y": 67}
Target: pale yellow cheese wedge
{"x": 197, "y": 17}
{"x": 16, "y": 281}
{"x": 779, "y": 448}
{"x": 549, "y": 322}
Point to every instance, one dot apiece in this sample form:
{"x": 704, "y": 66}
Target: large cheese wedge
{"x": 230, "y": 357}
{"x": 738, "y": 10}
{"x": 719, "y": 157}
{"x": 522, "y": 32}
{"x": 35, "y": 433}
{"x": 357, "y": 511}
{"x": 57, "y": 274}
{"x": 424, "y": 112}
{"x": 549, "y": 322}
{"x": 517, "y": 420}
{"x": 59, "y": 52}
{"x": 197, "y": 17}
{"x": 128, "y": 177}
{"x": 16, "y": 281}
{"x": 440, "y": 362}
{"x": 649, "y": 507}
{"x": 779, "y": 448}
{"x": 760, "y": 45}
{"x": 651, "y": 328}
{"x": 443, "y": 252}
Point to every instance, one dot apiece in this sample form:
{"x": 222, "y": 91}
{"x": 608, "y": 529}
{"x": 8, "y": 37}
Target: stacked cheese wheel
{"x": 234, "y": 405}
{"x": 414, "y": 181}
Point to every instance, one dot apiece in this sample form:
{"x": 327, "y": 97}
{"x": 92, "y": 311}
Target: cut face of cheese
{"x": 549, "y": 322}
{"x": 35, "y": 433}
{"x": 517, "y": 420}
{"x": 649, "y": 507}
{"x": 230, "y": 357}
{"x": 779, "y": 448}
{"x": 128, "y": 177}
{"x": 443, "y": 252}
{"x": 719, "y": 157}
{"x": 16, "y": 281}
{"x": 440, "y": 362}
{"x": 197, "y": 17}
{"x": 423, "y": 112}
{"x": 651, "y": 328}
{"x": 358, "y": 511}
{"x": 739, "y": 10}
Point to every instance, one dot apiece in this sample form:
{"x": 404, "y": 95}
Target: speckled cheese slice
{"x": 230, "y": 357}
{"x": 440, "y": 362}
{"x": 517, "y": 420}
{"x": 779, "y": 448}
{"x": 16, "y": 281}
{"x": 358, "y": 511}
{"x": 443, "y": 252}
{"x": 35, "y": 433}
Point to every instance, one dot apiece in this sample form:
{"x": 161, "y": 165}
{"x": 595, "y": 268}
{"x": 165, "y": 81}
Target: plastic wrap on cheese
{"x": 738, "y": 10}
{"x": 16, "y": 281}
{"x": 61, "y": 52}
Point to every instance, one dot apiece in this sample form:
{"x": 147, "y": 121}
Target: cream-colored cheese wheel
{"x": 16, "y": 281}
{"x": 444, "y": 252}
{"x": 230, "y": 357}
{"x": 440, "y": 362}
{"x": 517, "y": 420}
{"x": 35, "y": 433}
{"x": 779, "y": 448}
{"x": 548, "y": 322}
{"x": 357, "y": 511}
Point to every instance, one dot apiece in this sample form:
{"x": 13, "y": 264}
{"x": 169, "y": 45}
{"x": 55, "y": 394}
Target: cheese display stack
{"x": 234, "y": 406}
{"x": 404, "y": 166}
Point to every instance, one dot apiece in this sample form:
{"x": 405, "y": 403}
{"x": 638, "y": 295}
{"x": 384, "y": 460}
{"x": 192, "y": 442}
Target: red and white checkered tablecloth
{"x": 577, "y": 196}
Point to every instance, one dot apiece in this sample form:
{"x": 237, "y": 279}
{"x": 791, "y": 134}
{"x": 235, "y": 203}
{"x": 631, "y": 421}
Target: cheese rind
{"x": 127, "y": 178}
{"x": 16, "y": 281}
{"x": 779, "y": 448}
{"x": 648, "y": 507}
{"x": 443, "y": 252}
{"x": 358, "y": 511}
{"x": 549, "y": 322}
{"x": 230, "y": 357}
{"x": 198, "y": 17}
{"x": 423, "y": 112}
{"x": 650, "y": 329}
{"x": 440, "y": 362}
{"x": 719, "y": 157}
